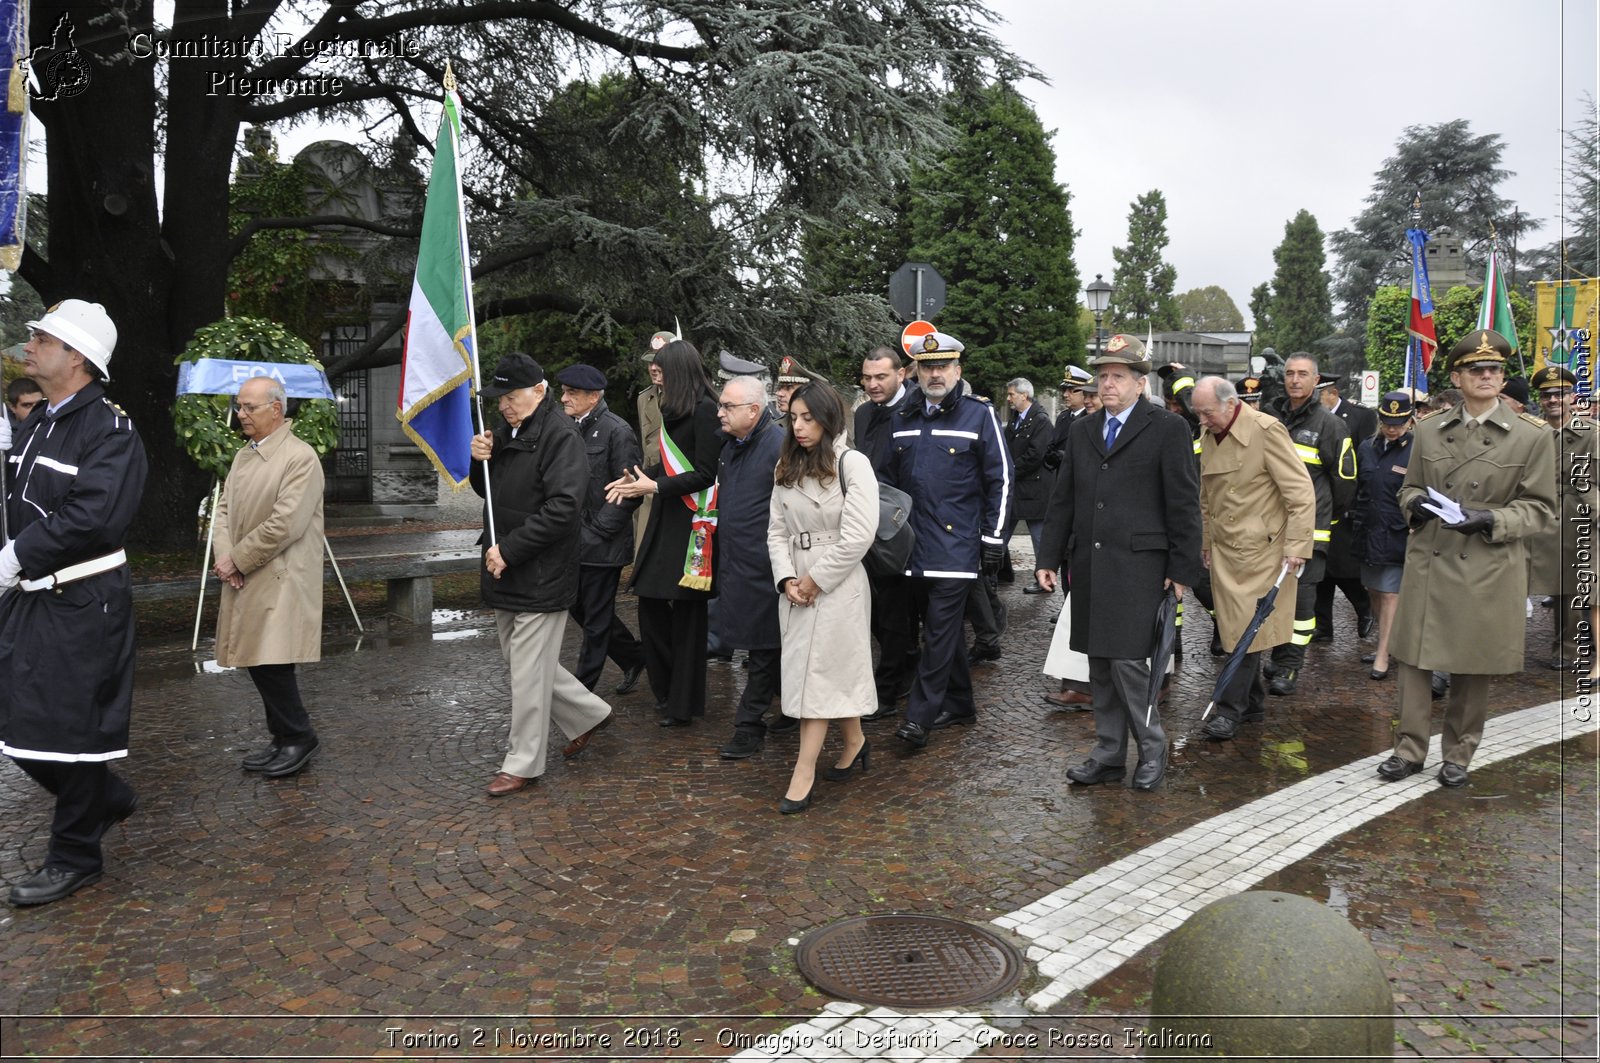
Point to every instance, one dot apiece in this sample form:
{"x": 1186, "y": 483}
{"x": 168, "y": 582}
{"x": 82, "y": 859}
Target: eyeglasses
{"x": 250, "y": 408}
{"x": 729, "y": 407}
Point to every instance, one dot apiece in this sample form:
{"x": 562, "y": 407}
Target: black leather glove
{"x": 1419, "y": 514}
{"x": 991, "y": 556}
{"x": 1473, "y": 521}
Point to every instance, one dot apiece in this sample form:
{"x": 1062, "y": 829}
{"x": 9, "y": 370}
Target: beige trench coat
{"x": 827, "y": 646}
{"x": 1553, "y": 559}
{"x": 1462, "y": 597}
{"x": 270, "y": 522}
{"x": 1257, "y": 506}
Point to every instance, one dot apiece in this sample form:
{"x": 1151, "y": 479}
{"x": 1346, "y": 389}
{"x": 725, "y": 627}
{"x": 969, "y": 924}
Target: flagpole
{"x": 466, "y": 269}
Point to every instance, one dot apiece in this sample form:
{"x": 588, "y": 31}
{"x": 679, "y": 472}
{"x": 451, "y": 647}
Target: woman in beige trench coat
{"x": 823, "y": 517}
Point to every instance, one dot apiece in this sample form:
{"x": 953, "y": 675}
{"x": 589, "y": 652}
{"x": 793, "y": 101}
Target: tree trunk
{"x": 159, "y": 278}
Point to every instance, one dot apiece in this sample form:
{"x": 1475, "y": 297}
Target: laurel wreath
{"x": 204, "y": 422}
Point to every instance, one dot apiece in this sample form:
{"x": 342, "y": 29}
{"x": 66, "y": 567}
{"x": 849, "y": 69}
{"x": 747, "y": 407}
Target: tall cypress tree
{"x": 1143, "y": 286}
{"x": 991, "y": 218}
{"x": 1301, "y": 309}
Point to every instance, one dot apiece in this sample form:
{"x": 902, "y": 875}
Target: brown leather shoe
{"x": 1068, "y": 699}
{"x": 579, "y": 744}
{"x": 504, "y": 783}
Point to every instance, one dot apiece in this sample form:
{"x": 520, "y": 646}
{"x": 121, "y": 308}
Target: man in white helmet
{"x": 76, "y": 476}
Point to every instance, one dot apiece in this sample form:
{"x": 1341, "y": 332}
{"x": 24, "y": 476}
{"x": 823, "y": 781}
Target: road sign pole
{"x": 919, "y": 295}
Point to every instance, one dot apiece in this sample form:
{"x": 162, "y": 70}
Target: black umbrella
{"x": 1230, "y": 667}
{"x": 1166, "y": 639}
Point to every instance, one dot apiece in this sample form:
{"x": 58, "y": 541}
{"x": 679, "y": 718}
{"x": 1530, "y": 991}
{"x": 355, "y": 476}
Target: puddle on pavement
{"x": 447, "y": 636}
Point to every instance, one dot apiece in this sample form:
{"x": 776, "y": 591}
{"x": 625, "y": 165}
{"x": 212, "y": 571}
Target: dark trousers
{"x": 1245, "y": 696}
{"x": 1292, "y": 654}
{"x": 895, "y": 624}
{"x": 287, "y": 719}
{"x": 673, "y": 631}
{"x": 89, "y": 796}
{"x": 1121, "y": 691}
{"x": 604, "y": 633}
{"x": 943, "y": 682}
{"x": 1354, "y": 592}
{"x": 762, "y": 679}
{"x": 985, "y": 611}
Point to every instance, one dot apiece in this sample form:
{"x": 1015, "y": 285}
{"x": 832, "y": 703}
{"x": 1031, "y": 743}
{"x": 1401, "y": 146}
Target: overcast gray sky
{"x": 1244, "y": 111}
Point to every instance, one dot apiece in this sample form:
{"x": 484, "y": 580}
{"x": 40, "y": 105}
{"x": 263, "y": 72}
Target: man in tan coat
{"x": 1498, "y": 467}
{"x": 1258, "y": 512}
{"x": 269, "y": 559}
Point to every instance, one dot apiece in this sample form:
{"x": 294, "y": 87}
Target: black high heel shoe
{"x": 789, "y": 808}
{"x": 862, "y": 757}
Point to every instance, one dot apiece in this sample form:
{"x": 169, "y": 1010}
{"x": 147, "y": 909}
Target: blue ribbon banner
{"x": 220, "y": 376}
{"x": 13, "y": 132}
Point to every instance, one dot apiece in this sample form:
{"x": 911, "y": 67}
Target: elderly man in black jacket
{"x": 538, "y": 477}
{"x": 606, "y": 543}
{"x": 748, "y": 610}
{"x": 1028, "y": 435}
{"x": 1124, "y": 522}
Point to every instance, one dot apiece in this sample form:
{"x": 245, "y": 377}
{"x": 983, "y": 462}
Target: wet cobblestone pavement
{"x": 380, "y": 904}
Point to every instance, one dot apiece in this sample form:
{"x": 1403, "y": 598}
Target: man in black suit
{"x": 1028, "y": 436}
{"x": 894, "y": 617}
{"x": 1344, "y": 567}
{"x": 1127, "y": 500}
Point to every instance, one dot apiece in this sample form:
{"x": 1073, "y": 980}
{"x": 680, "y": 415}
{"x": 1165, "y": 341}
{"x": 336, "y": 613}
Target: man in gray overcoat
{"x": 1126, "y": 504}
{"x": 1498, "y": 467}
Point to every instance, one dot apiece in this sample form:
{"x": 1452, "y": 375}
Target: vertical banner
{"x": 439, "y": 366}
{"x": 13, "y": 131}
{"x": 1423, "y": 340}
{"x": 1568, "y": 314}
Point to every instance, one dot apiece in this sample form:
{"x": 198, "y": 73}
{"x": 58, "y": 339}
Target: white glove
{"x": 10, "y": 567}
{"x": 5, "y": 432}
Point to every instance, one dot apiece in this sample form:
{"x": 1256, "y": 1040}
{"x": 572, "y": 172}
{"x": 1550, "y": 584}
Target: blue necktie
{"x": 1112, "y": 427}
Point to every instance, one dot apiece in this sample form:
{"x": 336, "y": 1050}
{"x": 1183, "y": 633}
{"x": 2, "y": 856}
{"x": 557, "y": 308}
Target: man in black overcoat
{"x": 1124, "y": 522}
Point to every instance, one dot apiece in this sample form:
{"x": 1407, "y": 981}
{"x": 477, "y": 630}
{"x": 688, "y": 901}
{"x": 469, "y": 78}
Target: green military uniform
{"x": 1462, "y": 595}
{"x": 1554, "y": 568}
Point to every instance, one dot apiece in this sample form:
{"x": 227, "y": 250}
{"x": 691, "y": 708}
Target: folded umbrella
{"x": 1230, "y": 667}
{"x": 1166, "y": 639}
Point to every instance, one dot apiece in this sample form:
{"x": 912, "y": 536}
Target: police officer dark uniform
{"x": 1465, "y": 584}
{"x": 77, "y": 473}
{"x": 1344, "y": 562}
{"x": 1323, "y": 443}
{"x": 1558, "y": 568}
{"x": 950, "y": 457}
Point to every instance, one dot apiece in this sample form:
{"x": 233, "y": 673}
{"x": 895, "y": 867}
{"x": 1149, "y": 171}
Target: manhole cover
{"x": 909, "y": 961}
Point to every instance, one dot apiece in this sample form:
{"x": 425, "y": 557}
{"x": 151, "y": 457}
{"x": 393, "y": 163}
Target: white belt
{"x": 76, "y": 572}
{"x": 806, "y": 540}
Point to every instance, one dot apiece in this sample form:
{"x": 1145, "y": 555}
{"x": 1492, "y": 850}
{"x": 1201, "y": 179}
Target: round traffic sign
{"x": 914, "y": 332}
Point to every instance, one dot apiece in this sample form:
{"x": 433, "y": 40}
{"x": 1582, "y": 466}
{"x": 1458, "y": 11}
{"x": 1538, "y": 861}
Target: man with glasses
{"x": 1557, "y": 569}
{"x": 747, "y": 607}
{"x": 269, "y": 559}
{"x": 1479, "y": 488}
{"x": 66, "y": 602}
{"x": 22, "y": 395}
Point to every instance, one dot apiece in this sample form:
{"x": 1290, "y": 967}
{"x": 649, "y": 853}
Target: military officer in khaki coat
{"x": 269, "y": 559}
{"x": 1499, "y": 467}
{"x": 1259, "y": 512}
{"x": 1556, "y": 568}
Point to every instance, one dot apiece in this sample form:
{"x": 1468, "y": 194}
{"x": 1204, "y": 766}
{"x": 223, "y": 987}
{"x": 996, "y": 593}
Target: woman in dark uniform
{"x": 673, "y": 573}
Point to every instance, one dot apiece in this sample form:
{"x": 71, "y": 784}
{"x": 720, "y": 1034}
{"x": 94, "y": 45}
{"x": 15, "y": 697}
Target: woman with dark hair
{"x": 823, "y": 518}
{"x": 1381, "y": 530}
{"x": 673, "y": 571}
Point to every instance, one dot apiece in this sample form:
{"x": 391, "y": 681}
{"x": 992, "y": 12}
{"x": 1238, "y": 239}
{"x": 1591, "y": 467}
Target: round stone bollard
{"x": 1271, "y": 976}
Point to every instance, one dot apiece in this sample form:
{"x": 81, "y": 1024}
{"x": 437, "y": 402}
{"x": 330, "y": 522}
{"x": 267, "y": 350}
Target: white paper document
{"x": 1446, "y": 508}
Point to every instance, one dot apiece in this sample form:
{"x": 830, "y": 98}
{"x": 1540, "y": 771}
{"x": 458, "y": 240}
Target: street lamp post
{"x": 1097, "y": 296}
